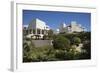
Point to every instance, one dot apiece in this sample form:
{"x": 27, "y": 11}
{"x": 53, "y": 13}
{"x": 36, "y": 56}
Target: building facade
{"x": 37, "y": 27}
{"x": 73, "y": 27}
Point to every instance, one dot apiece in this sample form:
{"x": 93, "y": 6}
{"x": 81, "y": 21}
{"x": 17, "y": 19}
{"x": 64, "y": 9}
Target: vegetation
{"x": 76, "y": 40}
{"x": 87, "y": 47}
{"x": 63, "y": 48}
{"x": 61, "y": 42}
{"x": 50, "y": 34}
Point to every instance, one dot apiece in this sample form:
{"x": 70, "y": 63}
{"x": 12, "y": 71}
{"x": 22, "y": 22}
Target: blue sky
{"x": 55, "y": 19}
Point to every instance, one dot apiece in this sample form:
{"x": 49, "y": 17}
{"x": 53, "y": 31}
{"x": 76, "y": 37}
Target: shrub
{"x": 61, "y": 54}
{"x": 61, "y": 42}
{"x": 84, "y": 36}
{"x": 50, "y": 34}
{"x": 87, "y": 47}
{"x": 70, "y": 55}
{"x": 76, "y": 40}
{"x": 27, "y": 47}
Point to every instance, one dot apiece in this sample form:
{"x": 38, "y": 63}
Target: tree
{"x": 87, "y": 47}
{"x": 61, "y": 54}
{"x": 76, "y": 40}
{"x": 50, "y": 34}
{"x": 25, "y": 32}
{"x": 84, "y": 36}
{"x": 61, "y": 42}
{"x": 27, "y": 48}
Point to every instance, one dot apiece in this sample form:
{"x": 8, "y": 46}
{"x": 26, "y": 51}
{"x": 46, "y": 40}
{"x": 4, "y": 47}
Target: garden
{"x": 64, "y": 47}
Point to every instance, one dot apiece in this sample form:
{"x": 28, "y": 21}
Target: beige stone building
{"x": 73, "y": 27}
{"x": 37, "y": 27}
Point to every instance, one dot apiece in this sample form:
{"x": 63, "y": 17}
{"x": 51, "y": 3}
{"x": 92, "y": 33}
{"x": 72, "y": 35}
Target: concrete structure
{"x": 37, "y": 27}
{"x": 73, "y": 27}
{"x": 41, "y": 43}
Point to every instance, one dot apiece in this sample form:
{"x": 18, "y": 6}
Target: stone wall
{"x": 40, "y": 43}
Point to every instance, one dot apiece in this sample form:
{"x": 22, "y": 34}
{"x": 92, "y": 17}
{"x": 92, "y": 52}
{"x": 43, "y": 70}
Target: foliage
{"x": 87, "y": 47}
{"x": 25, "y": 32}
{"x": 84, "y": 36}
{"x": 61, "y": 42}
{"x": 76, "y": 40}
{"x": 50, "y": 34}
{"x": 63, "y": 48}
{"x": 28, "y": 45}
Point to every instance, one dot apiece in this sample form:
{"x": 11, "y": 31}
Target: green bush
{"x": 61, "y": 42}
{"x": 84, "y": 36}
{"x": 28, "y": 46}
{"x": 70, "y": 55}
{"x": 61, "y": 54}
{"x": 50, "y": 34}
{"x": 87, "y": 47}
{"x": 76, "y": 40}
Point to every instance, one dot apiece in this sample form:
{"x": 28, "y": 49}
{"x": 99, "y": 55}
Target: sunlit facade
{"x": 73, "y": 27}
{"x": 37, "y": 27}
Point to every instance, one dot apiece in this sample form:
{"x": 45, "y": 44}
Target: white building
{"x": 37, "y": 27}
{"x": 73, "y": 27}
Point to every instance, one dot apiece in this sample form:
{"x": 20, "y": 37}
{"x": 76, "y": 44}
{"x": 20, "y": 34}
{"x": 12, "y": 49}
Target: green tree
{"x": 84, "y": 36}
{"x": 28, "y": 46}
{"x": 87, "y": 47}
{"x": 76, "y": 40}
{"x": 61, "y": 42}
{"x": 50, "y": 34}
